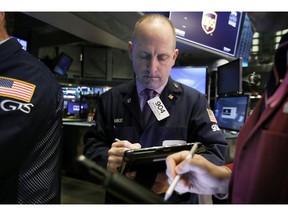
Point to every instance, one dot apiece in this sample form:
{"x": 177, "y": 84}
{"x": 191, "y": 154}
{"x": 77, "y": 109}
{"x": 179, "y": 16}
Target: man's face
{"x": 153, "y": 54}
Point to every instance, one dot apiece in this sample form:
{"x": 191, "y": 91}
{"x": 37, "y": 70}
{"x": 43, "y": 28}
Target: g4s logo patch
{"x": 11, "y": 105}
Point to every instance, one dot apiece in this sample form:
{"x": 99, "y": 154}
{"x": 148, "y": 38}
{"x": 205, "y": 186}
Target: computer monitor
{"x": 74, "y": 108}
{"x": 213, "y": 31}
{"x": 231, "y": 111}
{"x": 245, "y": 41}
{"x": 195, "y": 77}
{"x": 63, "y": 63}
{"x": 229, "y": 78}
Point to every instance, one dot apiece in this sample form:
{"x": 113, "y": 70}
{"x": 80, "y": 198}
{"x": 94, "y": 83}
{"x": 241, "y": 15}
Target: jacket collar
{"x": 172, "y": 87}
{"x": 8, "y": 48}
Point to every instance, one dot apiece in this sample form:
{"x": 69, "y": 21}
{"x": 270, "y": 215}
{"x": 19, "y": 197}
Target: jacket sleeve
{"x": 22, "y": 123}
{"x": 95, "y": 142}
{"x": 206, "y": 130}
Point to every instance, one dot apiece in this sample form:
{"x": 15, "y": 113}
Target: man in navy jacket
{"x": 119, "y": 113}
{"x": 31, "y": 105}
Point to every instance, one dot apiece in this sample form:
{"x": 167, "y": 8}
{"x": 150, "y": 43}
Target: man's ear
{"x": 175, "y": 54}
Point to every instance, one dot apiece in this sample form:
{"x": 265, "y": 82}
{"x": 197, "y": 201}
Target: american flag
{"x": 17, "y": 89}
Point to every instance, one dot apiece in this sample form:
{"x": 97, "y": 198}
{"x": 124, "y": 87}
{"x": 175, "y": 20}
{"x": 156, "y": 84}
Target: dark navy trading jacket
{"x": 118, "y": 116}
{"x": 31, "y": 106}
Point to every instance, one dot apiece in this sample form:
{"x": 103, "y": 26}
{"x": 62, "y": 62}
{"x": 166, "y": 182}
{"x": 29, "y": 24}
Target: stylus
{"x": 171, "y": 188}
{"x": 117, "y": 140}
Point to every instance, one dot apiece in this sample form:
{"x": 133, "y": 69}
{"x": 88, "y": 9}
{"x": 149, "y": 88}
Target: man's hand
{"x": 116, "y": 152}
{"x": 161, "y": 183}
{"x": 198, "y": 175}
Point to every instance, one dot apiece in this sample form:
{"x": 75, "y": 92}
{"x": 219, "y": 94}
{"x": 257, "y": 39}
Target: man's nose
{"x": 152, "y": 64}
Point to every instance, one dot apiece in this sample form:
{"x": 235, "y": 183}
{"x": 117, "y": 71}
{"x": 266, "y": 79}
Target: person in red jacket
{"x": 259, "y": 174}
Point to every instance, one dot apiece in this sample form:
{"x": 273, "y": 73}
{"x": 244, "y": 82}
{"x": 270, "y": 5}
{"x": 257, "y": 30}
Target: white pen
{"x": 117, "y": 140}
{"x": 171, "y": 188}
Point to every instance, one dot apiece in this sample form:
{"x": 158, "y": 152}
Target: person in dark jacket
{"x": 120, "y": 116}
{"x": 31, "y": 106}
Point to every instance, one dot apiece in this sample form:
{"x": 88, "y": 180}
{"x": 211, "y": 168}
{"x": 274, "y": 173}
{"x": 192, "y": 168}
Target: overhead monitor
{"x": 195, "y": 77}
{"x": 63, "y": 63}
{"x": 229, "y": 78}
{"x": 231, "y": 111}
{"x": 217, "y": 31}
{"x": 245, "y": 41}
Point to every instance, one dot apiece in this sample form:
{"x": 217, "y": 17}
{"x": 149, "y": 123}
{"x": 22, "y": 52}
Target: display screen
{"x": 195, "y": 77}
{"x": 245, "y": 42}
{"x": 229, "y": 78}
{"x": 75, "y": 93}
{"x": 231, "y": 112}
{"x": 218, "y": 31}
{"x": 74, "y": 108}
{"x": 63, "y": 63}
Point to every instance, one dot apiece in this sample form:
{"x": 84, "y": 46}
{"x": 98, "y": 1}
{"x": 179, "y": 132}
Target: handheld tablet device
{"x": 153, "y": 157}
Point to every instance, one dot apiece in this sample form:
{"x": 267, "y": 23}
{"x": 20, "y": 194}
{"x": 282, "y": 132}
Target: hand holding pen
{"x": 171, "y": 188}
{"x": 116, "y": 152}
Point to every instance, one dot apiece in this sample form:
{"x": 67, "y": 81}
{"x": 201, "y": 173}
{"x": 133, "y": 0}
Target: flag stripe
{"x": 16, "y": 89}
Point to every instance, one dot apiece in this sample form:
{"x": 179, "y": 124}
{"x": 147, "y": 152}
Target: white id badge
{"x": 158, "y": 108}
